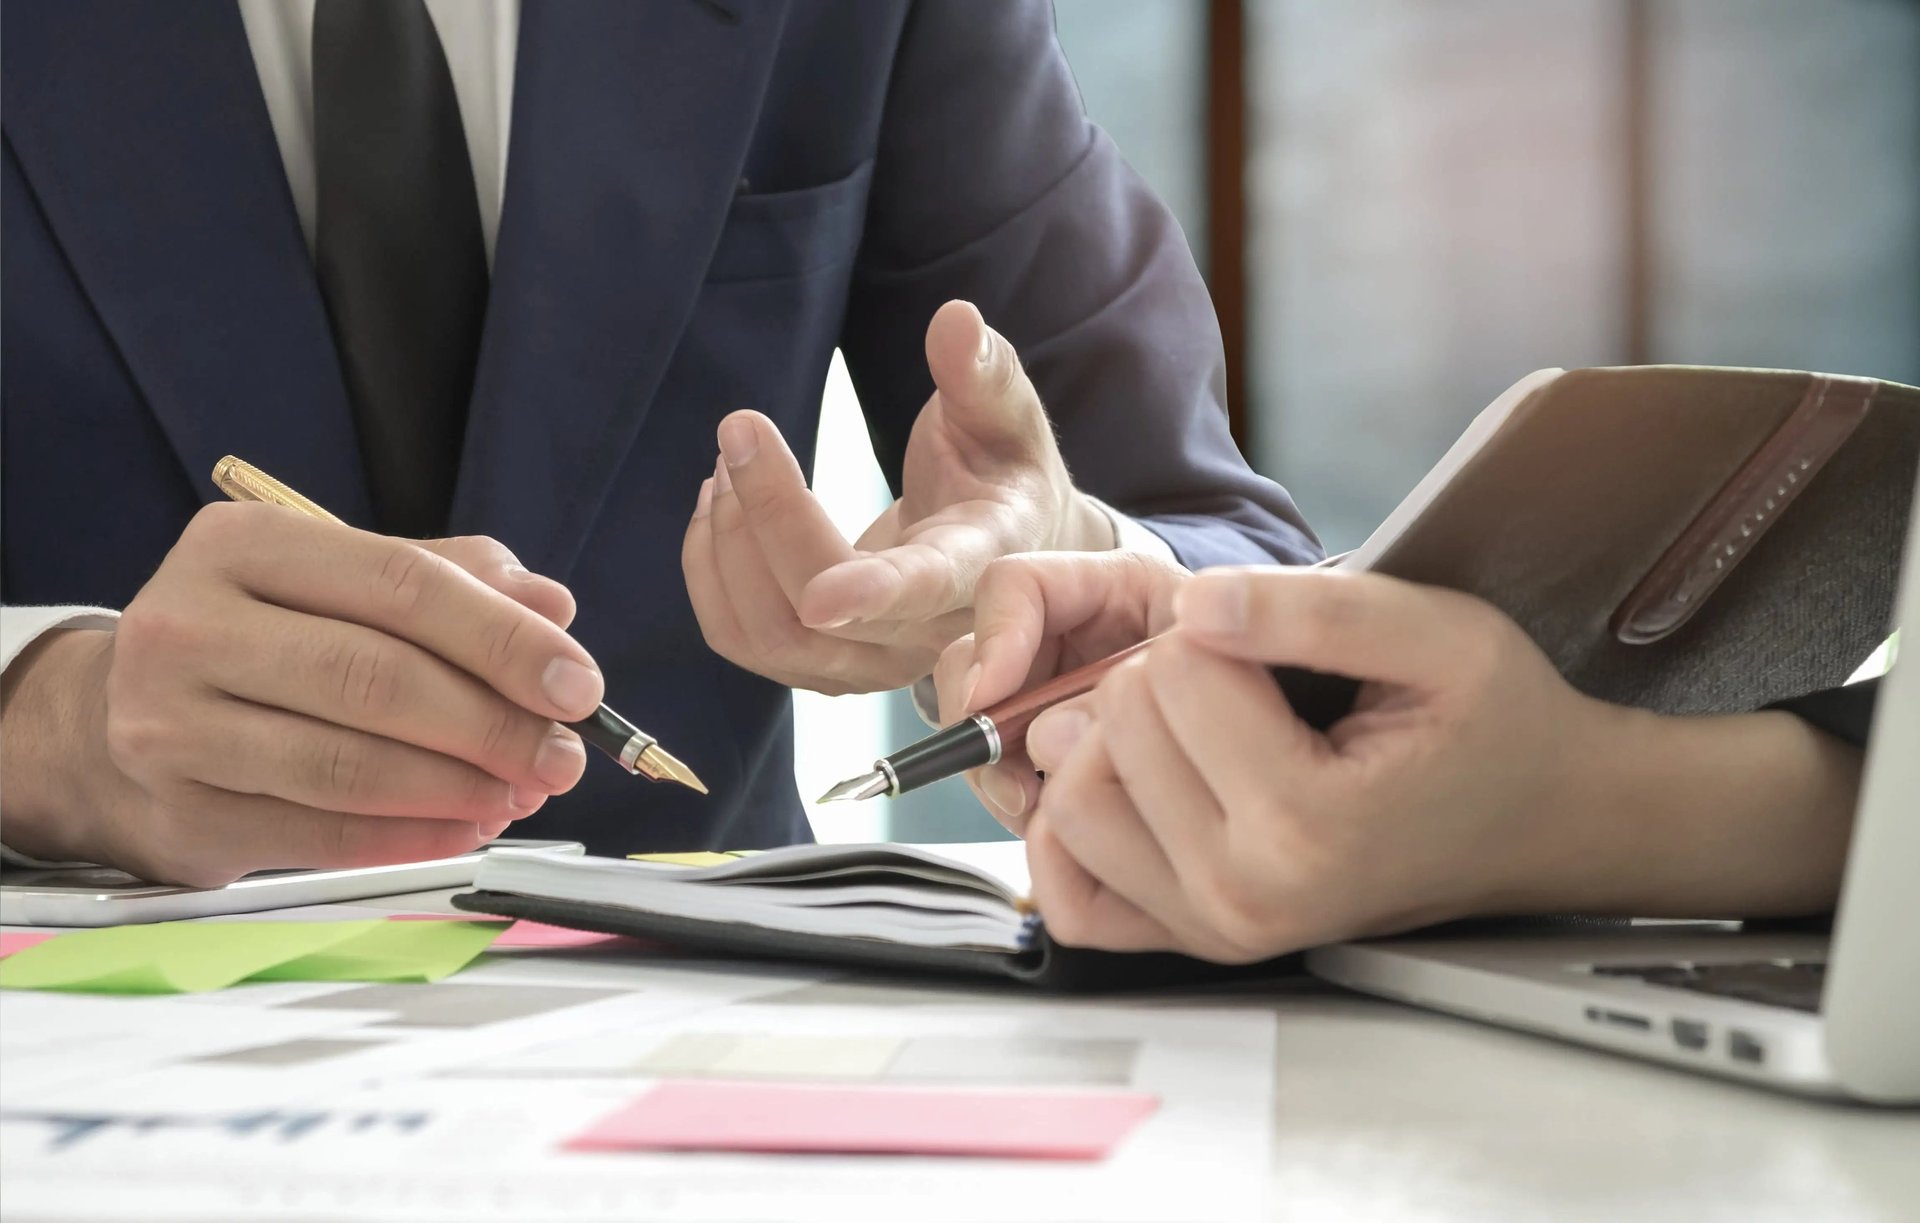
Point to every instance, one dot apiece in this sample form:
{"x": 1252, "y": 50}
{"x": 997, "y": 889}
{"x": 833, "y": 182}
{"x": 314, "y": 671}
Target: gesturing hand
{"x": 291, "y": 693}
{"x": 779, "y": 591}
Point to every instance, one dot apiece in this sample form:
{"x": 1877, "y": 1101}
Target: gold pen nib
{"x": 658, "y": 764}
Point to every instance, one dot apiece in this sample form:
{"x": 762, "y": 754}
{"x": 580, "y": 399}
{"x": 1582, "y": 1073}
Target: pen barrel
{"x": 614, "y": 735}
{"x": 947, "y": 753}
{"x": 1013, "y": 715}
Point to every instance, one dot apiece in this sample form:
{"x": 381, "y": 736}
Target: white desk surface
{"x": 1386, "y": 1112}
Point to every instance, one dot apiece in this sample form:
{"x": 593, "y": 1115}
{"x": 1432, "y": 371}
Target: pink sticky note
{"x": 524, "y": 933}
{"x": 22, "y": 939}
{"x": 718, "y": 1115}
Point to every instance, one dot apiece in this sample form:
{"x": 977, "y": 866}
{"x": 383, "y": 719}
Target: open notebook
{"x": 943, "y": 908}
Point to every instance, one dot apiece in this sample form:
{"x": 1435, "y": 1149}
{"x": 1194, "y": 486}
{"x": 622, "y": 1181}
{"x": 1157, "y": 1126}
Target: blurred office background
{"x": 1404, "y": 205}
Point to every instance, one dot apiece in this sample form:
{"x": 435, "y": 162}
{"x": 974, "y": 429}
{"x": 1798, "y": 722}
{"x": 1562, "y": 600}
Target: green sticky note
{"x": 189, "y": 957}
{"x": 392, "y": 951}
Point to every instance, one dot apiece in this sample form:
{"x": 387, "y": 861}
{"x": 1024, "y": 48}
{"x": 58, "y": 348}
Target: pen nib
{"x": 854, "y": 789}
{"x": 658, "y": 764}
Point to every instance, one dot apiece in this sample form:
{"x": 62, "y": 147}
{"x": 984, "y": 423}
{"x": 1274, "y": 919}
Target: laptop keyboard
{"x": 1795, "y": 984}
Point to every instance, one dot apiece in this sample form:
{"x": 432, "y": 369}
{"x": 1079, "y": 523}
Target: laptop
{"x": 1824, "y": 1015}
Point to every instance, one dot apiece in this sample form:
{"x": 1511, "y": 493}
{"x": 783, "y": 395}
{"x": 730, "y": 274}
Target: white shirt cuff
{"x": 1130, "y": 536}
{"x": 20, "y": 627}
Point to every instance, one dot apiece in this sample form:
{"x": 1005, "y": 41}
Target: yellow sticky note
{"x": 702, "y": 858}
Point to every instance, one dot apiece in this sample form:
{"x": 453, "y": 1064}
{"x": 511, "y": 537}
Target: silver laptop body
{"x": 1796, "y": 1011}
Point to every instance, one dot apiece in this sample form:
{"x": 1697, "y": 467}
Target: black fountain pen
{"x": 1318, "y": 699}
{"x": 631, "y": 748}
{"x": 973, "y": 741}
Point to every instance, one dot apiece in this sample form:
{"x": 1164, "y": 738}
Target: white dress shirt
{"x": 481, "y": 39}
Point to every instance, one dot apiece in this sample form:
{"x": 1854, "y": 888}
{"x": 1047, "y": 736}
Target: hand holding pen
{"x": 626, "y": 744}
{"x": 1046, "y": 628}
{"x": 289, "y": 692}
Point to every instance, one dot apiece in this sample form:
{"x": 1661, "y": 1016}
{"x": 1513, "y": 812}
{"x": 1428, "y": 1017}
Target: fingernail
{"x": 488, "y": 832}
{"x": 1213, "y": 604}
{"x": 704, "y": 504}
{"x": 836, "y": 622}
{"x": 967, "y": 686}
{"x": 722, "y": 482}
{"x": 739, "y": 441}
{"x": 573, "y": 688}
{"x": 1004, "y": 792}
{"x": 560, "y": 760}
{"x": 1053, "y": 735}
{"x": 518, "y": 573}
{"x": 985, "y": 355}
{"x": 524, "y": 800}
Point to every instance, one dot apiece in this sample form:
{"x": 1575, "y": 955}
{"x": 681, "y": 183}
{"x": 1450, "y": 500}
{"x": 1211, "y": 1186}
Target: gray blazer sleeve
{"x": 991, "y": 185}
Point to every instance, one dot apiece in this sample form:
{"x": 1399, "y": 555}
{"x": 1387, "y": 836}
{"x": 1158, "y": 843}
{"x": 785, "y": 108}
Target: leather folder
{"x": 1684, "y": 539}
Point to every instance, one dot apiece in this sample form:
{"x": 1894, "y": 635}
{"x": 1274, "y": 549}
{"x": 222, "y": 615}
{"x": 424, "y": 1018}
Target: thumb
{"x": 495, "y": 564}
{"x": 983, "y": 389}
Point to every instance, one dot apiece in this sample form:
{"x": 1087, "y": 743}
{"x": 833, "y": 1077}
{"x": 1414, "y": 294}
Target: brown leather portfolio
{"x": 1681, "y": 538}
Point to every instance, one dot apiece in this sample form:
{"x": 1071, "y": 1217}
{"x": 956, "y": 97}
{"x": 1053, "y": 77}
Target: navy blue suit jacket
{"x": 702, "y": 201}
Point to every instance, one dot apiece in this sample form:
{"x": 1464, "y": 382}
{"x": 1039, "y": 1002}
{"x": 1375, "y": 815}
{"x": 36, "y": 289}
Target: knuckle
{"x": 336, "y": 840}
{"x": 405, "y": 579}
{"x": 368, "y": 678}
{"x": 153, "y": 627}
{"x": 219, "y": 524}
{"x": 501, "y": 639}
{"x": 497, "y": 738}
{"x": 481, "y": 793}
{"x": 345, "y": 770}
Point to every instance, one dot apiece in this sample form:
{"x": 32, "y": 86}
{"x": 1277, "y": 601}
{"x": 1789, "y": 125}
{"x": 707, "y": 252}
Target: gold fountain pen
{"x": 633, "y": 749}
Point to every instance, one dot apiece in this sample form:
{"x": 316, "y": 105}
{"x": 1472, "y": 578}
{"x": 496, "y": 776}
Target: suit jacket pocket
{"x": 782, "y": 234}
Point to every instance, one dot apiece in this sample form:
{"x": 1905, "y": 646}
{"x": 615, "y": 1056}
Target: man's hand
{"x": 292, "y": 693}
{"x": 1036, "y": 617}
{"x": 780, "y": 592}
{"x": 1187, "y": 808}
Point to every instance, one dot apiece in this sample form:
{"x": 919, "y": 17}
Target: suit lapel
{"x": 630, "y": 124}
{"x": 142, "y": 131}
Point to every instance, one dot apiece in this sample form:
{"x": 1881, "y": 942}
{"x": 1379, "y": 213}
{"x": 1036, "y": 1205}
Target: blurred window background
{"x": 1402, "y": 206}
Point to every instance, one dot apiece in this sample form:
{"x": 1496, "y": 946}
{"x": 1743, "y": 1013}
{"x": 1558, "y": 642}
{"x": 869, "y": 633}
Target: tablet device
{"x": 100, "y": 896}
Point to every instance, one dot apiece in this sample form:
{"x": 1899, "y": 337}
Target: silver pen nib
{"x": 854, "y": 789}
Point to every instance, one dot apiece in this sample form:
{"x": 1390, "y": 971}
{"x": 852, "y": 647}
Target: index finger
{"x": 1024, "y": 604}
{"x": 401, "y": 588}
{"x": 792, "y": 527}
{"x": 1363, "y": 625}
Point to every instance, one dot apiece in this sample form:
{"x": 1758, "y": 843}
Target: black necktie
{"x": 399, "y": 250}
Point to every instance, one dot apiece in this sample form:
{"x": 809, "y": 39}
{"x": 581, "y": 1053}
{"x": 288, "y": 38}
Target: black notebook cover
{"x": 1046, "y": 965}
